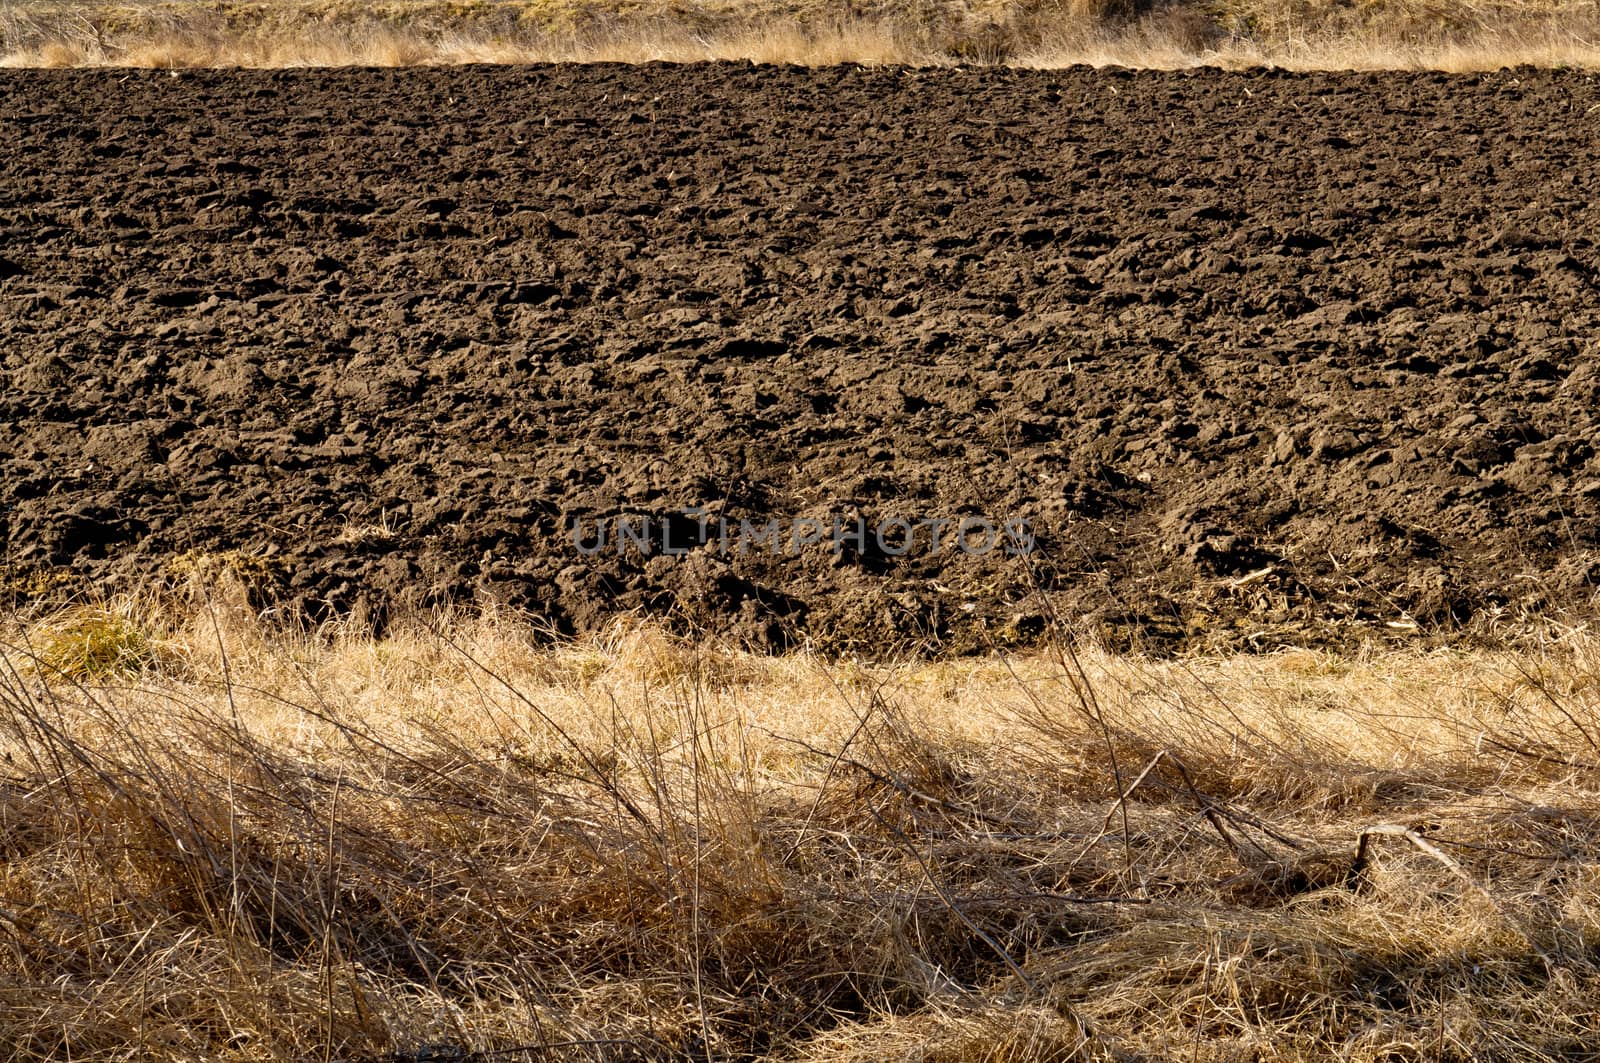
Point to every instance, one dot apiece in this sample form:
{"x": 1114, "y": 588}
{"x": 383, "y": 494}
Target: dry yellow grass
{"x": 220, "y": 841}
{"x": 1452, "y": 35}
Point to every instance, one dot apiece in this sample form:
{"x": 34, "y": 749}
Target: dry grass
{"x": 1454, "y": 35}
{"x": 458, "y": 842}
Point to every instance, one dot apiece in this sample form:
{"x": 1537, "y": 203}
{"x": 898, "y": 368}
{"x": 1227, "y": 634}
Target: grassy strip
{"x": 1299, "y": 34}
{"x": 226, "y": 842}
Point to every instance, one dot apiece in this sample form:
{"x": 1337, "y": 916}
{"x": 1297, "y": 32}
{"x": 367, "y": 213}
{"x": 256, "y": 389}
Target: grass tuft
{"x": 94, "y": 644}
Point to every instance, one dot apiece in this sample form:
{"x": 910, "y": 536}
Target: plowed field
{"x": 1258, "y": 358}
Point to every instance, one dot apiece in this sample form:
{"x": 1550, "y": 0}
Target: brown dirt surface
{"x": 1262, "y": 358}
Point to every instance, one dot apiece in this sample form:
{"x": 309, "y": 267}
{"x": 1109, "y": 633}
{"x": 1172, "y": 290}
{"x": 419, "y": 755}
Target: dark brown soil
{"x": 1261, "y": 358}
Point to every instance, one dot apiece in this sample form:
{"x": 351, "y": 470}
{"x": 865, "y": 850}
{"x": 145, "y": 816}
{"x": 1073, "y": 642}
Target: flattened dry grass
{"x": 1450, "y": 35}
{"x": 458, "y": 842}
